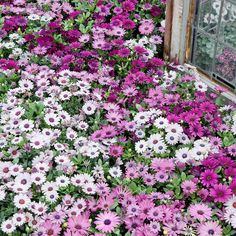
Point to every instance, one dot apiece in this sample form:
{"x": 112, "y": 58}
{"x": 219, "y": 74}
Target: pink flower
{"x": 189, "y": 187}
{"x": 51, "y": 229}
{"x": 116, "y": 151}
{"x": 79, "y": 224}
{"x": 107, "y": 221}
{"x": 146, "y": 28}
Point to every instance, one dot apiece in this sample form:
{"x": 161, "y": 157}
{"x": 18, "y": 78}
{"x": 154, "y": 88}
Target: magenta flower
{"x": 124, "y": 52}
{"x": 220, "y": 193}
{"x": 209, "y": 178}
{"x": 116, "y": 151}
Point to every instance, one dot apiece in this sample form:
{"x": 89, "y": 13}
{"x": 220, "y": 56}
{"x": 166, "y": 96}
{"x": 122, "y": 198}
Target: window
{"x": 214, "y": 39}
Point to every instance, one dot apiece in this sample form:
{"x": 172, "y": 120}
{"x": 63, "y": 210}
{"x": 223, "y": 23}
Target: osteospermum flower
{"x": 220, "y": 193}
{"x": 107, "y": 222}
{"x": 8, "y": 226}
{"x": 209, "y": 178}
{"x": 231, "y": 204}
{"x": 189, "y": 187}
{"x": 200, "y": 211}
{"x": 209, "y": 228}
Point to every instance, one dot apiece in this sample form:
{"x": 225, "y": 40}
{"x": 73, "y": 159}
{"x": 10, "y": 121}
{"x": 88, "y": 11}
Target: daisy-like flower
{"x": 51, "y": 119}
{"x": 115, "y": 172}
{"x": 220, "y": 193}
{"x": 89, "y": 107}
{"x": 182, "y": 155}
{"x": 141, "y": 146}
{"x": 200, "y": 86}
{"x": 21, "y": 201}
{"x": 107, "y": 221}
{"x": 26, "y": 125}
{"x": 200, "y": 211}
{"x": 231, "y": 204}
{"x": 160, "y": 147}
{"x": 161, "y": 123}
{"x": 209, "y": 228}
{"x": 62, "y": 181}
{"x": 89, "y": 188}
{"x": 154, "y": 139}
{"x": 209, "y": 178}
{"x": 8, "y": 226}
{"x": 189, "y": 187}
{"x": 18, "y": 219}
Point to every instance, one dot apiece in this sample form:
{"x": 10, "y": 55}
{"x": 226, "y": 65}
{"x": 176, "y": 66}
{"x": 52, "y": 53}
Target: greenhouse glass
{"x": 214, "y": 39}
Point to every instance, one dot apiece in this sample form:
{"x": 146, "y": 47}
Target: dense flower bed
{"x": 99, "y": 136}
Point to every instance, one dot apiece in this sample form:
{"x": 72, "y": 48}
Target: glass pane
{"x": 209, "y": 11}
{"x": 225, "y": 64}
{"x": 228, "y": 24}
{"x": 204, "y": 52}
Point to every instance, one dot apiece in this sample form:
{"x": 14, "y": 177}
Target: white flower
{"x": 38, "y": 141}
{"x": 175, "y": 129}
{"x": 52, "y": 119}
{"x": 203, "y": 144}
{"x": 46, "y": 18}
{"x": 21, "y": 201}
{"x": 89, "y": 188}
{"x": 71, "y": 134}
{"x": 49, "y": 187}
{"x": 184, "y": 139}
{"x": 229, "y": 216}
{"x": 233, "y": 128}
{"x": 38, "y": 178}
{"x": 115, "y": 172}
{"x": 62, "y": 160}
{"x": 171, "y": 75}
{"x": 197, "y": 154}
{"x": 9, "y": 45}
{"x": 2, "y": 194}
{"x": 154, "y": 139}
{"x": 17, "y": 112}
{"x": 82, "y": 125}
{"x": 160, "y": 147}
{"x": 62, "y": 181}
{"x": 231, "y": 204}
{"x": 17, "y": 51}
{"x": 18, "y": 219}
{"x": 51, "y": 196}
{"x": 182, "y": 155}
{"x": 33, "y": 17}
{"x": 14, "y": 36}
{"x": 26, "y": 125}
{"x": 26, "y": 84}
{"x": 89, "y": 107}
{"x": 8, "y": 227}
{"x": 172, "y": 138}
{"x": 141, "y": 146}
{"x": 65, "y": 95}
{"x": 161, "y": 122}
{"x": 140, "y": 133}
{"x": 200, "y": 86}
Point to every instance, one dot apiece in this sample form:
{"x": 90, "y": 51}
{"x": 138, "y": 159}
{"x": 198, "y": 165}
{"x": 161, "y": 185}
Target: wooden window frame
{"x": 178, "y": 38}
